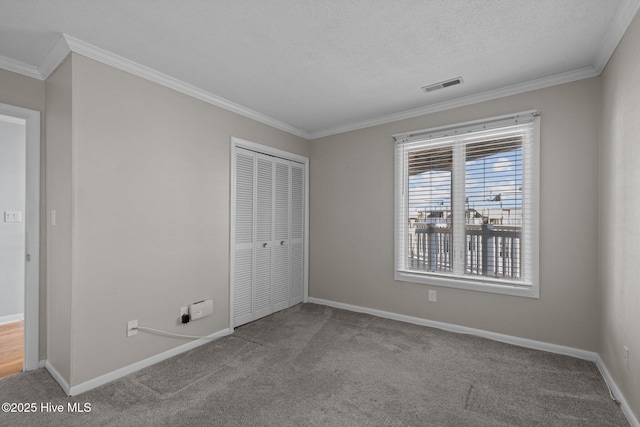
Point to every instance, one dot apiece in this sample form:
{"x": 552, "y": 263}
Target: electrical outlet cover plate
{"x": 432, "y": 296}
{"x": 132, "y": 328}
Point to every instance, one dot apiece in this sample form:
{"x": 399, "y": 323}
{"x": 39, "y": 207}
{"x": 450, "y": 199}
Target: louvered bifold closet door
{"x": 280, "y": 286}
{"x": 244, "y": 237}
{"x": 296, "y": 242}
{"x": 264, "y": 235}
{"x": 268, "y": 245}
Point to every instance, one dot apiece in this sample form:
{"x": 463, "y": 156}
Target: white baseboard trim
{"x": 633, "y": 421}
{"x": 509, "y": 339}
{"x": 42, "y": 363}
{"x": 522, "y": 342}
{"x": 11, "y": 318}
{"x": 126, "y": 370}
{"x": 119, "y": 373}
{"x": 64, "y": 385}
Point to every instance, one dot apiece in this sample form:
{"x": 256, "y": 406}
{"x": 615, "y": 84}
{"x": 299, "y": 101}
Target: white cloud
{"x": 429, "y": 190}
{"x": 503, "y": 164}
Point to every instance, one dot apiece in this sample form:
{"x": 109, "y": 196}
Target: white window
{"x": 467, "y": 205}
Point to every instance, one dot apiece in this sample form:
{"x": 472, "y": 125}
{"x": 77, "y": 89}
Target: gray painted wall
{"x": 352, "y": 205}
{"x": 619, "y": 227}
{"x": 59, "y": 198}
{"x": 12, "y": 234}
{"x": 143, "y": 176}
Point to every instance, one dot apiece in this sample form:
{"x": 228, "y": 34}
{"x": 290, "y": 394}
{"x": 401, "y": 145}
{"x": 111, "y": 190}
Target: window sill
{"x": 472, "y": 285}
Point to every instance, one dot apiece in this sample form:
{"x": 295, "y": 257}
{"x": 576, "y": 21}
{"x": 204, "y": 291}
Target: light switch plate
{"x": 12, "y": 216}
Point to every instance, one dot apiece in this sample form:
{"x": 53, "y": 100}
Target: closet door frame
{"x": 263, "y": 149}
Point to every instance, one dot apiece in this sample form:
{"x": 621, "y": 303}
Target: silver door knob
{"x": 282, "y": 243}
{"x": 264, "y": 245}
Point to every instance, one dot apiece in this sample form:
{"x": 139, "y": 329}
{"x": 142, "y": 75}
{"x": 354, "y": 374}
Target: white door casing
{"x": 297, "y": 236}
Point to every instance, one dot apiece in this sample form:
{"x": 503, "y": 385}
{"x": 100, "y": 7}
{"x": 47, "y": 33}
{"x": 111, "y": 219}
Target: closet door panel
{"x": 243, "y": 287}
{"x": 264, "y": 236}
{"x": 280, "y": 278}
{"x": 296, "y": 273}
{"x": 244, "y": 235}
{"x": 268, "y": 245}
{"x": 263, "y": 306}
{"x": 297, "y": 201}
{"x": 244, "y": 197}
{"x": 281, "y": 200}
{"x": 280, "y": 287}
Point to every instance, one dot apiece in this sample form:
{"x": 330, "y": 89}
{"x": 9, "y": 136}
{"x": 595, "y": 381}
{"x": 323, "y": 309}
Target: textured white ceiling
{"x": 321, "y": 66}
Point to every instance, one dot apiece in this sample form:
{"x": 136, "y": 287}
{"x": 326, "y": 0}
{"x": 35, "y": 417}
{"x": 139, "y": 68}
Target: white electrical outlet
{"x": 132, "y": 328}
{"x": 183, "y": 311}
{"x": 432, "y": 296}
{"x": 626, "y": 357}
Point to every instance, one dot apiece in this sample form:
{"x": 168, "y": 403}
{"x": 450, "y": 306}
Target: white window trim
{"x": 481, "y": 284}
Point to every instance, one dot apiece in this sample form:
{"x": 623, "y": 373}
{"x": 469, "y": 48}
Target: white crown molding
{"x": 616, "y": 31}
{"x": 66, "y": 44}
{"x": 557, "y": 79}
{"x": 116, "y": 61}
{"x": 19, "y": 67}
{"x": 49, "y": 62}
{"x": 54, "y": 56}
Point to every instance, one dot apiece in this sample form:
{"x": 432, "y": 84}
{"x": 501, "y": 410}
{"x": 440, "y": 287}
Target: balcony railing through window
{"x": 490, "y": 250}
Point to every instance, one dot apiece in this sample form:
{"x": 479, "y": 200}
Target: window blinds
{"x": 466, "y": 203}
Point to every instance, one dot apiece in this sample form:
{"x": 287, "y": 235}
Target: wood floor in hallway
{"x": 11, "y": 348}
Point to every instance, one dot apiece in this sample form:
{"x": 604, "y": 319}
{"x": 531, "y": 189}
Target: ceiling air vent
{"x": 442, "y": 85}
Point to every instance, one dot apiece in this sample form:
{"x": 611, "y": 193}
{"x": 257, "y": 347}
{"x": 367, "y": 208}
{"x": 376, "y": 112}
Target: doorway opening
{"x": 19, "y": 239}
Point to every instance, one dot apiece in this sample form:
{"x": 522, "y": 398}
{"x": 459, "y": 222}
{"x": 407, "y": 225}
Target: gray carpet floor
{"x": 314, "y": 365}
